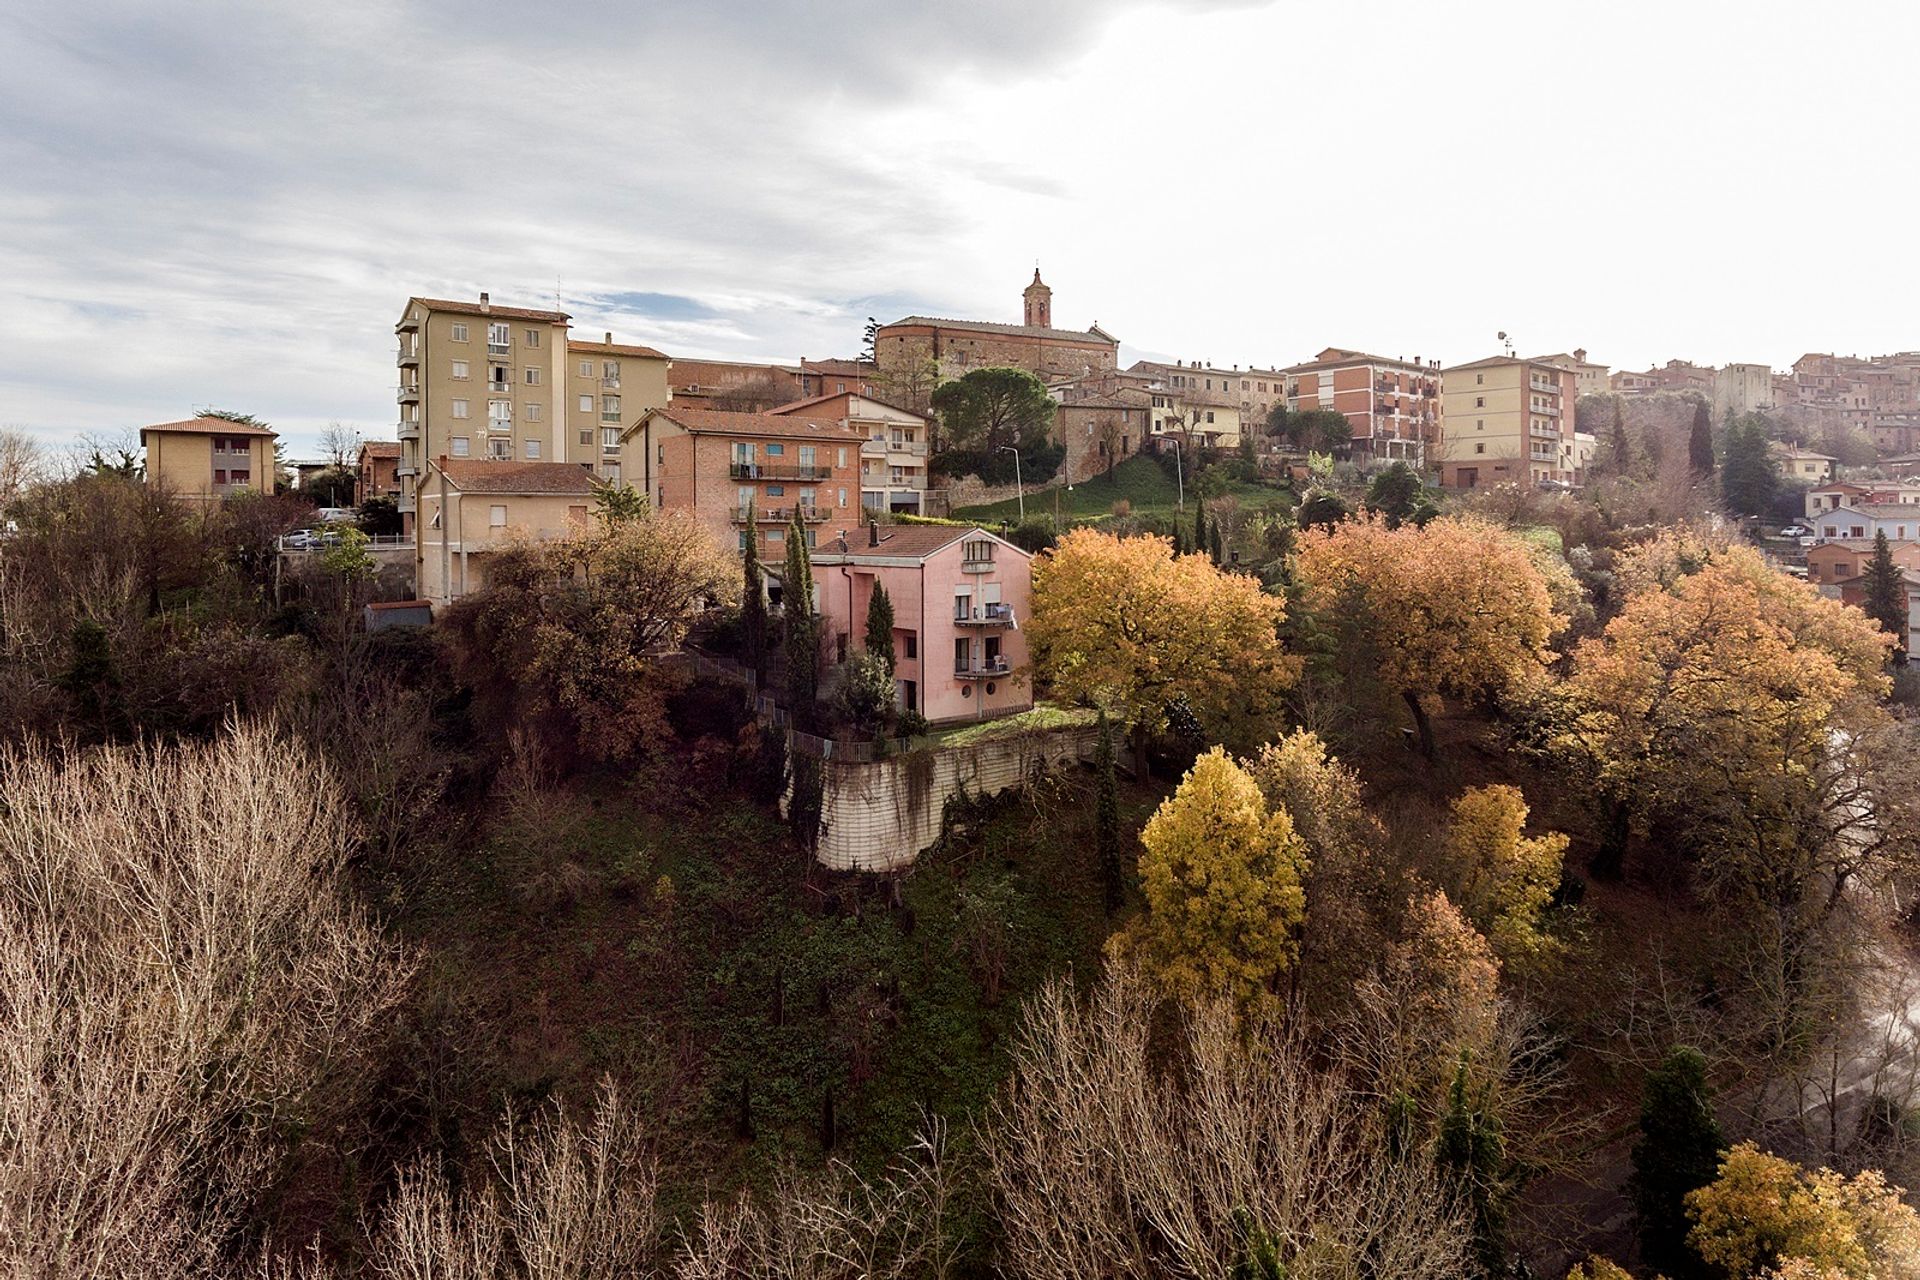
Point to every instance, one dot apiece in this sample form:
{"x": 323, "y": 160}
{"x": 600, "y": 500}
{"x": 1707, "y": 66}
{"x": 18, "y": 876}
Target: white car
{"x": 336, "y": 515}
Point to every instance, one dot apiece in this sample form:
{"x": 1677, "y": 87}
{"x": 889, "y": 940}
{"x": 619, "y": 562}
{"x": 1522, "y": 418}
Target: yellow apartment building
{"x": 205, "y": 459}
{"x": 610, "y": 386}
{"x": 1508, "y": 420}
{"x": 470, "y": 507}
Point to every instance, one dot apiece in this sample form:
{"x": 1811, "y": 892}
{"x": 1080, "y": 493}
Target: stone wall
{"x": 883, "y": 815}
{"x": 972, "y": 491}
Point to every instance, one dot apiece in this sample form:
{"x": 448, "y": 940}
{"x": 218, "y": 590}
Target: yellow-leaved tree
{"x": 1222, "y": 875}
{"x": 1503, "y": 878}
{"x": 1128, "y": 624}
{"x": 1456, "y": 608}
{"x": 1765, "y": 1215}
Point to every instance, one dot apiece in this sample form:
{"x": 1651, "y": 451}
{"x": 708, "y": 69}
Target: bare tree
{"x": 23, "y": 463}
{"x": 341, "y": 444}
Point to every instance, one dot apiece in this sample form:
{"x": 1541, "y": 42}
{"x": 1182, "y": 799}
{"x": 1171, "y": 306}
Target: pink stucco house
{"x": 959, "y": 597}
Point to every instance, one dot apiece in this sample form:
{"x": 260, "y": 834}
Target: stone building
{"x": 953, "y": 347}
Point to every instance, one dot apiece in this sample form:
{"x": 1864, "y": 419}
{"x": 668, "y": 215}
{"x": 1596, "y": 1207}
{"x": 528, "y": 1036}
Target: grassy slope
{"x": 1142, "y": 482}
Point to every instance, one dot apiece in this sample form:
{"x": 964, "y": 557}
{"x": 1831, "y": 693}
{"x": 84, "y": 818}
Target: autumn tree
{"x": 1457, "y": 608}
{"x": 1765, "y": 1215}
{"x": 1503, "y": 879}
{"x": 1677, "y": 1152}
{"x": 1886, "y": 591}
{"x": 880, "y": 626}
{"x": 1126, "y": 624}
{"x": 991, "y": 408}
{"x": 1222, "y": 874}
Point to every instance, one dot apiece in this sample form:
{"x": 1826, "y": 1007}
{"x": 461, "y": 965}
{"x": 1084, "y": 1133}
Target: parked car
{"x": 310, "y": 540}
{"x": 1796, "y": 530}
{"x": 336, "y": 515}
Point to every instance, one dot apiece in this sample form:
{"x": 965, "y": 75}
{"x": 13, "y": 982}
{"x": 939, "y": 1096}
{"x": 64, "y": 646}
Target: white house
{"x": 1899, "y": 520}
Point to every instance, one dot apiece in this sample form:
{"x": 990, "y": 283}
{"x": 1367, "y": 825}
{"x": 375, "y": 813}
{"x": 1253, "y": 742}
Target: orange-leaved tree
{"x": 1456, "y": 608}
{"x": 1126, "y": 623}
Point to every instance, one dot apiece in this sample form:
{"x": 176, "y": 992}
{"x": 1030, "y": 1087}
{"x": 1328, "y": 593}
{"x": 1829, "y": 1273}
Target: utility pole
{"x": 1019, "y": 490}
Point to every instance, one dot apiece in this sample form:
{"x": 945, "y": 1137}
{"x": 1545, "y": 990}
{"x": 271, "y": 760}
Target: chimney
{"x": 873, "y": 533}
{"x": 1580, "y": 355}
{"x": 609, "y": 337}
{"x": 483, "y": 297}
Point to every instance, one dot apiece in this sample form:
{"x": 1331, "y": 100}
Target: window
{"x": 806, "y": 455}
{"x": 459, "y": 332}
{"x": 840, "y": 459}
{"x": 586, "y": 404}
{"x": 497, "y": 377}
{"x": 460, "y": 369}
{"x": 609, "y": 439}
{"x": 586, "y": 437}
{"x": 498, "y": 338}
{"x": 843, "y": 502}
{"x": 219, "y": 475}
{"x": 609, "y": 407}
{"x": 533, "y": 376}
{"x": 533, "y": 413}
{"x": 977, "y": 551}
{"x": 610, "y": 370}
{"x": 460, "y": 446}
{"x": 774, "y": 450}
{"x": 459, "y": 408}
{"x": 1479, "y": 446}
{"x": 660, "y": 454}
{"x": 499, "y": 415}
{"x": 500, "y": 449}
{"x": 810, "y": 538}
{"x": 776, "y": 491}
{"x": 910, "y": 644}
{"x": 962, "y": 653}
{"x": 497, "y": 516}
{"x": 1479, "y": 378}
{"x": 1209, "y": 415}
{"x": 586, "y": 368}
{"x": 1479, "y": 402}
{"x": 533, "y": 337}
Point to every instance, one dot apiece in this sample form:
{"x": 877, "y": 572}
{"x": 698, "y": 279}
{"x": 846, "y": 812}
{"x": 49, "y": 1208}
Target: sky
{"x": 229, "y": 204}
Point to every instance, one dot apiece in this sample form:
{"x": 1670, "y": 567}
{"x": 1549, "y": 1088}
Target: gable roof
{"x": 903, "y": 541}
{"x": 1095, "y": 334}
{"x": 204, "y": 425}
{"x": 1334, "y": 357}
{"x": 616, "y": 349}
{"x": 817, "y": 402}
{"x": 741, "y": 423}
{"x": 852, "y": 368}
{"x": 478, "y": 308}
{"x": 482, "y": 475}
{"x": 381, "y": 448}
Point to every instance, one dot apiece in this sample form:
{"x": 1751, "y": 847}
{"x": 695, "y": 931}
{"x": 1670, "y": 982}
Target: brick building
{"x": 834, "y": 377}
{"x": 377, "y": 470}
{"x": 713, "y": 462}
{"x": 1393, "y": 405}
{"x": 735, "y": 385}
{"x": 894, "y": 445}
{"x": 954, "y": 347}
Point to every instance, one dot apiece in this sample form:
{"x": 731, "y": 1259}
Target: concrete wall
{"x": 881, "y": 816}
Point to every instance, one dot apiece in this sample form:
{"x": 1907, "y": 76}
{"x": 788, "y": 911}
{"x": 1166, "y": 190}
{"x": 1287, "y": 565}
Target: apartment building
{"x": 205, "y": 459}
{"x": 609, "y": 385}
{"x": 958, "y": 595}
{"x": 377, "y": 470}
{"x": 1508, "y": 419}
{"x": 1393, "y": 405}
{"x": 1252, "y": 392}
{"x": 1843, "y": 561}
{"x": 893, "y": 449}
{"x": 1833, "y": 495}
{"x": 1860, "y": 522}
{"x": 479, "y": 381}
{"x": 714, "y": 462}
{"x": 1589, "y": 378}
{"x": 469, "y": 508}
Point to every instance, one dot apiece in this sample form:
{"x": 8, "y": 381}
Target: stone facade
{"x": 954, "y": 347}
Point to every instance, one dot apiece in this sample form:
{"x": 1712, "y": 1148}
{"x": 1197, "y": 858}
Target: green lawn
{"x": 1043, "y": 715}
{"x": 1142, "y": 482}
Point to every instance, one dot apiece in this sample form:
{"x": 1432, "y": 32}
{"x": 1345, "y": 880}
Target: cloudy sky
{"x": 227, "y": 204}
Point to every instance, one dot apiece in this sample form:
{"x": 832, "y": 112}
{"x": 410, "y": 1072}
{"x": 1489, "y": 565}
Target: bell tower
{"x": 1039, "y": 300}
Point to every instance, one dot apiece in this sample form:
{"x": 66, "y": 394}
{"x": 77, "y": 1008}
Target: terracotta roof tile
{"x": 729, "y": 422}
{"x": 381, "y": 448}
{"x": 913, "y": 541}
{"x": 616, "y": 349}
{"x": 478, "y": 308}
{"x": 482, "y": 475}
{"x": 206, "y": 426}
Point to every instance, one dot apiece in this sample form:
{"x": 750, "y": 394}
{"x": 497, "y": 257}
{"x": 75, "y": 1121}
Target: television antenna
{"x": 1502, "y": 335}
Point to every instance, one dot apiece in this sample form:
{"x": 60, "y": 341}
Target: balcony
{"x": 609, "y": 415}
{"x": 499, "y": 424}
{"x": 409, "y": 353}
{"x": 409, "y": 323}
{"x": 986, "y": 615}
{"x": 776, "y": 471}
{"x": 497, "y": 385}
{"x": 1545, "y": 411}
{"x": 500, "y": 350}
{"x": 782, "y": 515}
{"x": 986, "y": 669}
{"x": 976, "y": 566}
{"x": 1543, "y": 433}
{"x": 409, "y": 431}
{"x": 409, "y": 394}
{"x": 610, "y": 384}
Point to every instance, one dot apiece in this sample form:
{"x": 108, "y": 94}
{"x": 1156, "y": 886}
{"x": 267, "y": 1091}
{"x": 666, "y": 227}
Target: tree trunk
{"x": 1420, "y": 722}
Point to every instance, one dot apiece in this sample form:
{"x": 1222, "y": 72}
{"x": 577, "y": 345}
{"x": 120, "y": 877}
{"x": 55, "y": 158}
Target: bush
{"x": 1038, "y": 464}
{"x": 1034, "y": 535}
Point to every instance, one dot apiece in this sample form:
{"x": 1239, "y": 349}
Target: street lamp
{"x": 1179, "y": 475}
{"x": 1019, "y": 492}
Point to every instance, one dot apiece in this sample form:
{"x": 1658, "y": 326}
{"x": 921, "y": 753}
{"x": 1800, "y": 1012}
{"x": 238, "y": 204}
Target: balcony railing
{"x": 986, "y": 615}
{"x": 610, "y": 384}
{"x": 985, "y": 669}
{"x": 976, "y": 566}
{"x": 776, "y": 471}
{"x": 409, "y": 431}
{"x": 409, "y": 394}
{"x": 409, "y": 353}
{"x": 498, "y": 385}
{"x": 499, "y": 348}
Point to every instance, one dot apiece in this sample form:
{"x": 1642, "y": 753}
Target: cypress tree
{"x": 1886, "y": 591}
{"x": 1700, "y": 441}
{"x": 1622, "y": 449}
{"x": 1216, "y": 543}
{"x": 803, "y": 632}
{"x": 1106, "y": 817}
{"x": 753, "y": 600}
{"x": 1678, "y": 1151}
{"x": 880, "y": 625}
{"x": 1748, "y": 476}
{"x": 1200, "y": 526}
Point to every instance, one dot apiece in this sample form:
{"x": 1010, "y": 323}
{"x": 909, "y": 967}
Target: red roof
{"x": 482, "y": 475}
{"x": 729, "y": 422}
{"x": 381, "y": 448}
{"x": 616, "y": 349}
{"x": 207, "y": 426}
{"x": 477, "y": 308}
{"x": 903, "y": 541}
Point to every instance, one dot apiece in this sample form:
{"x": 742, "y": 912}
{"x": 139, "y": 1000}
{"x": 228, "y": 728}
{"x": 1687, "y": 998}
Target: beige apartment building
{"x": 206, "y": 459}
{"x": 609, "y": 385}
{"x": 1589, "y": 378}
{"x": 469, "y": 508}
{"x": 1508, "y": 420}
{"x": 1252, "y": 392}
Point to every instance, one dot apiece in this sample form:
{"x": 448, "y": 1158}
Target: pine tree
{"x": 1886, "y": 590}
{"x": 1749, "y": 477}
{"x": 1622, "y": 448}
{"x": 880, "y": 625}
{"x": 1678, "y": 1151}
{"x": 1700, "y": 441}
{"x": 753, "y": 600}
{"x": 803, "y": 631}
{"x": 1106, "y": 817}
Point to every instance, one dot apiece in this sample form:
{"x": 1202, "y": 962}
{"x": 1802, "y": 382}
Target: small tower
{"x": 1039, "y": 299}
